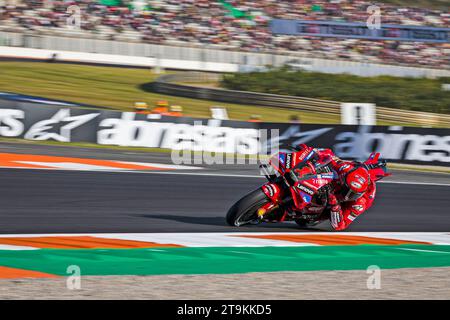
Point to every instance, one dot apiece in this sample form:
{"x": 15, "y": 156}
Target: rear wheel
{"x": 245, "y": 211}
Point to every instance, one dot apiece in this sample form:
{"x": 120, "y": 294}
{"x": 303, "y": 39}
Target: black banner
{"x": 227, "y": 309}
{"x": 68, "y": 124}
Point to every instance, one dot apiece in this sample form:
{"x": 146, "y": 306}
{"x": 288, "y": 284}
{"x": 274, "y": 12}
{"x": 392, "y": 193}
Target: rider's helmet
{"x": 355, "y": 181}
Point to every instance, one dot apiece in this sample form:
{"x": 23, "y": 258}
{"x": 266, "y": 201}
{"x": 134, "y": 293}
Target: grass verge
{"x": 119, "y": 88}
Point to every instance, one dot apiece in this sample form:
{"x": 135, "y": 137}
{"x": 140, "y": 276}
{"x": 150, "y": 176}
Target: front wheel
{"x": 245, "y": 211}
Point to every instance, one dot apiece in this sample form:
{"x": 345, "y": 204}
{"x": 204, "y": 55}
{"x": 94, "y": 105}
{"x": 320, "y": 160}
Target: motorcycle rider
{"x": 351, "y": 194}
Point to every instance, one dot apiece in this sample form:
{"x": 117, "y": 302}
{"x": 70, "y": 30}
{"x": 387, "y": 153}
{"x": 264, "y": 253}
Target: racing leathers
{"x": 342, "y": 215}
{"x": 344, "y": 209}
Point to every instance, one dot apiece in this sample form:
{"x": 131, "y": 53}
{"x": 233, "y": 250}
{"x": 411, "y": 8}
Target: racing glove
{"x": 336, "y": 216}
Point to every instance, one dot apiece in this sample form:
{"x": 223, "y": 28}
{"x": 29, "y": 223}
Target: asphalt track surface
{"x": 42, "y": 201}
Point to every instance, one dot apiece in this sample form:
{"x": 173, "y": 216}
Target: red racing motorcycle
{"x": 293, "y": 192}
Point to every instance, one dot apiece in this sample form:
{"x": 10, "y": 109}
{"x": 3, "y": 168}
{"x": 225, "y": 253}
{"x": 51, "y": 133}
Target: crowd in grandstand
{"x": 235, "y": 24}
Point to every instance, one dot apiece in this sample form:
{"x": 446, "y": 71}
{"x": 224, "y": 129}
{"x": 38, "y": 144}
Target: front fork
{"x": 275, "y": 194}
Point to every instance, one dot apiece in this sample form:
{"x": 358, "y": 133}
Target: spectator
{"x": 237, "y": 25}
{"x": 141, "y": 107}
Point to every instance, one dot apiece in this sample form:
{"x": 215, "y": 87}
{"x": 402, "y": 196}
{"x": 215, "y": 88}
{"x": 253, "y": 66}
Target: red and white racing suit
{"x": 344, "y": 213}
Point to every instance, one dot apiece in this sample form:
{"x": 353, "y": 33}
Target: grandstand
{"x": 242, "y": 25}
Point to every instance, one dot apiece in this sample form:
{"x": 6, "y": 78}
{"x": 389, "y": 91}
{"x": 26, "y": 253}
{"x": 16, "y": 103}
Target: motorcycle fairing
{"x": 272, "y": 191}
{"x": 284, "y": 162}
{"x": 305, "y": 189}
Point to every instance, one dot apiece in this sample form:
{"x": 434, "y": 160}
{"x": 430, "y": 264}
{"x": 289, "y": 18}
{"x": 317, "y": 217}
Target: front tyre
{"x": 245, "y": 211}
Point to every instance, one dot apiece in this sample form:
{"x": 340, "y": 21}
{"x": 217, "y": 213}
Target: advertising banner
{"x": 64, "y": 124}
{"x": 358, "y": 30}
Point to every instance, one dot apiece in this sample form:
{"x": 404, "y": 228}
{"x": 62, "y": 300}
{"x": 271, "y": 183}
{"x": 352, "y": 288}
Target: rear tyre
{"x": 245, "y": 211}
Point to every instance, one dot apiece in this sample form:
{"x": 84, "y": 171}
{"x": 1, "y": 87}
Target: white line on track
{"x": 213, "y": 174}
{"x": 240, "y": 252}
{"x": 231, "y": 175}
{"x": 432, "y": 251}
{"x": 417, "y": 183}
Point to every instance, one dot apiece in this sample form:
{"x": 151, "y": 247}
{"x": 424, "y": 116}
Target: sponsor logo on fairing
{"x": 282, "y": 158}
{"x": 305, "y": 155}
{"x": 305, "y": 197}
{"x": 320, "y": 182}
{"x": 288, "y": 160}
{"x": 309, "y": 155}
{"x": 358, "y": 207}
{"x": 326, "y": 176}
{"x": 305, "y": 189}
{"x": 270, "y": 190}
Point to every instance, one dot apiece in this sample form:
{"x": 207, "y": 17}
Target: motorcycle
{"x": 297, "y": 190}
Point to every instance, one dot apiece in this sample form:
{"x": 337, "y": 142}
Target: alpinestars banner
{"x": 68, "y": 124}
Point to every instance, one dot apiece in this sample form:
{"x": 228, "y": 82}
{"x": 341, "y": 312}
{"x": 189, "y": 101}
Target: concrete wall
{"x": 207, "y": 58}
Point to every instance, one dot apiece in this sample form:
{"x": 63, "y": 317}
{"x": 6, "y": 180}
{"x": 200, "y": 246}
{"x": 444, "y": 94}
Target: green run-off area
{"x": 226, "y": 259}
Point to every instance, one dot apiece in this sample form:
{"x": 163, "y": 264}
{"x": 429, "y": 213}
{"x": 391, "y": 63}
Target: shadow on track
{"x": 220, "y": 221}
{"x": 210, "y": 221}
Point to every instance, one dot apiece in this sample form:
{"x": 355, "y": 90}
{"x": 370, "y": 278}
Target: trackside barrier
{"x": 204, "y": 57}
{"x": 169, "y": 84}
{"x": 49, "y": 121}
